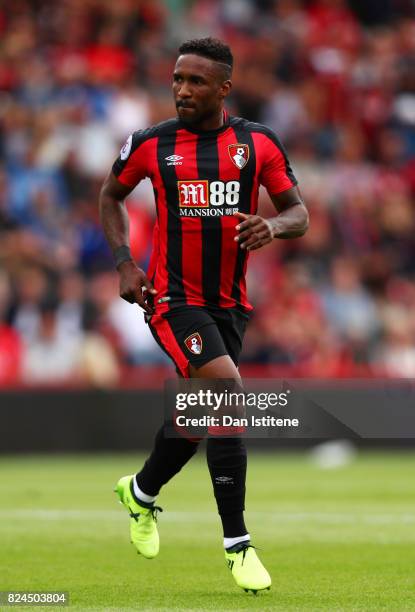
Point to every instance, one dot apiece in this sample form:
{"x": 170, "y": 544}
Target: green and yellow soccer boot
{"x": 246, "y": 568}
{"x": 143, "y": 521}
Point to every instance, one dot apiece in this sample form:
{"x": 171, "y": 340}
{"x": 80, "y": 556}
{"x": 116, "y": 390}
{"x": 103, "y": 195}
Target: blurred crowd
{"x": 334, "y": 78}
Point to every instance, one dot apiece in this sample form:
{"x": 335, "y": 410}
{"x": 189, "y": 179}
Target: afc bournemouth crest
{"x": 239, "y": 154}
{"x": 194, "y": 343}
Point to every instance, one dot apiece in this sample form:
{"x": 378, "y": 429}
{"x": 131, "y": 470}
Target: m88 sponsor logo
{"x": 208, "y": 198}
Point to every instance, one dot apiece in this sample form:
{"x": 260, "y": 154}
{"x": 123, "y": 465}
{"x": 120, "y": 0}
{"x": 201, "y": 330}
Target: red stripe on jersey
{"x": 168, "y": 340}
{"x": 158, "y": 260}
{"x": 186, "y": 144}
{"x": 273, "y": 164}
{"x": 227, "y": 172}
{"x": 136, "y": 166}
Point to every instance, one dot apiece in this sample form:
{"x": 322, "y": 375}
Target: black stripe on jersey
{"x": 165, "y": 147}
{"x": 208, "y": 169}
{"x": 261, "y": 129}
{"x": 156, "y": 201}
{"x": 246, "y": 181}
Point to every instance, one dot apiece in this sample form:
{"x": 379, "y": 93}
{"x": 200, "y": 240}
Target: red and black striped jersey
{"x": 200, "y": 179}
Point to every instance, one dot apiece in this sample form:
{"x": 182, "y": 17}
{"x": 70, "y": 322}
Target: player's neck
{"x": 214, "y": 122}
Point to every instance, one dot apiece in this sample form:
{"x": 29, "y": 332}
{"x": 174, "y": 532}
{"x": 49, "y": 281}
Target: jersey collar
{"x": 226, "y": 122}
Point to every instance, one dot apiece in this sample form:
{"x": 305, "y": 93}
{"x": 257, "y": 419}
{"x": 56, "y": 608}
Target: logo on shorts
{"x": 239, "y": 154}
{"x": 194, "y": 343}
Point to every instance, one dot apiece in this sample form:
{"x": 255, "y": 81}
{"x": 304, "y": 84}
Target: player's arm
{"x": 276, "y": 175}
{"x": 291, "y": 222}
{"x": 114, "y": 219}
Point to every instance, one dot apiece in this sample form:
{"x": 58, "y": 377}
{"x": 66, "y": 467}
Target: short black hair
{"x": 212, "y": 48}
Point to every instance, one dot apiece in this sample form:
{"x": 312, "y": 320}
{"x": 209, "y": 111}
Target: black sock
{"x": 168, "y": 457}
{"x": 233, "y": 525}
{"x": 226, "y": 459}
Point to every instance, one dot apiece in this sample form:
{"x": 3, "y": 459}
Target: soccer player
{"x": 206, "y": 168}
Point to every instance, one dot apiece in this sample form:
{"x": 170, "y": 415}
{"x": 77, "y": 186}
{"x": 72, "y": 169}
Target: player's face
{"x": 199, "y": 88}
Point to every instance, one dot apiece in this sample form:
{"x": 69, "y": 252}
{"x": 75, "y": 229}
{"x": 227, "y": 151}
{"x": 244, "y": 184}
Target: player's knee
{"x": 224, "y": 449}
{"x": 219, "y": 368}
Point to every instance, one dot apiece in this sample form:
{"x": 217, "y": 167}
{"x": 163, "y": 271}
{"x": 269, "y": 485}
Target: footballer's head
{"x": 201, "y": 79}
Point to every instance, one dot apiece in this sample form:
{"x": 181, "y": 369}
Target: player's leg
{"x": 227, "y": 461}
{"x": 169, "y": 455}
{"x": 138, "y": 492}
{"x": 167, "y": 458}
{"x": 228, "y": 454}
{"x": 226, "y": 458}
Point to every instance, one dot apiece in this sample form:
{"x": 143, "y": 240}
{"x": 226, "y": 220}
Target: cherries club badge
{"x": 239, "y": 154}
{"x": 194, "y": 343}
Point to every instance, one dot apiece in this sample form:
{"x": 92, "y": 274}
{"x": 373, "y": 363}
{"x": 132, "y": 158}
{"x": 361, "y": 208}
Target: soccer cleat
{"x": 143, "y": 527}
{"x": 247, "y": 569}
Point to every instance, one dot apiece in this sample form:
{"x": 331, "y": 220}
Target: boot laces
{"x": 245, "y": 550}
{"x": 153, "y": 511}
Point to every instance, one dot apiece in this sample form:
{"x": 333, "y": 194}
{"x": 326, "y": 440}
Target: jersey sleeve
{"x": 276, "y": 174}
{"x": 130, "y": 167}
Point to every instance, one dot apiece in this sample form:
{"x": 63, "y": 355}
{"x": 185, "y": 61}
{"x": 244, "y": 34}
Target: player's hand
{"x": 134, "y": 285}
{"x": 253, "y": 231}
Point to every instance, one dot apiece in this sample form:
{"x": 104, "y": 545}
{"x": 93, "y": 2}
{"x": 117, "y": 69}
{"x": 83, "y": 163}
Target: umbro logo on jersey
{"x": 174, "y": 160}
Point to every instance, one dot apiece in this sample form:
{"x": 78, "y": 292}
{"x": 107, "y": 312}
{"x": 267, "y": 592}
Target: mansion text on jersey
{"x": 207, "y": 212}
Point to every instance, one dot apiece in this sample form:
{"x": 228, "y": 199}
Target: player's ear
{"x": 225, "y": 89}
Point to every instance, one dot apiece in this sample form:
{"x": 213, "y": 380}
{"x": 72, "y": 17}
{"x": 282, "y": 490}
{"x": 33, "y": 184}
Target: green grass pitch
{"x": 332, "y": 540}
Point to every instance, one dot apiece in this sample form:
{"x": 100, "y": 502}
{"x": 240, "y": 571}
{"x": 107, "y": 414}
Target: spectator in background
{"x": 348, "y": 306}
{"x": 52, "y": 357}
{"x": 31, "y": 289}
{"x": 395, "y": 355}
{"x": 72, "y": 309}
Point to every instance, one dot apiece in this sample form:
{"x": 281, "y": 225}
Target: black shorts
{"x": 196, "y": 335}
